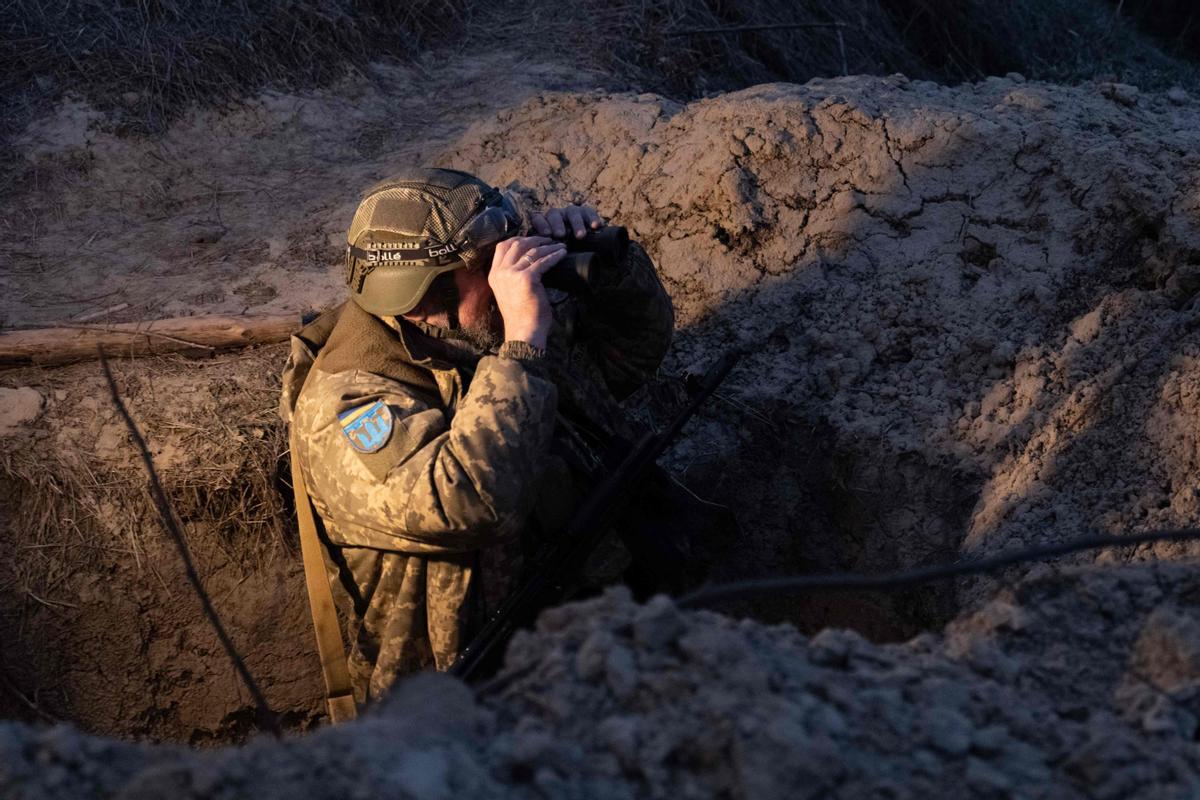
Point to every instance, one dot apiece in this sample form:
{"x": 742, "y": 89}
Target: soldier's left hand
{"x": 576, "y": 219}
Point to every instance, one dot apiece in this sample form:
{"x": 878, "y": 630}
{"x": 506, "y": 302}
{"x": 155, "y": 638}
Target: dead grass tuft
{"x": 73, "y": 484}
{"x": 686, "y": 48}
{"x": 147, "y": 60}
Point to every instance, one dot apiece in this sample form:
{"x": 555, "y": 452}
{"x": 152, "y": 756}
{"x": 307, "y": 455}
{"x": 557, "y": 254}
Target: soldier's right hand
{"x": 516, "y": 281}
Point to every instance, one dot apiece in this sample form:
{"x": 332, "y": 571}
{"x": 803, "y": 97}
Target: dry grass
{"x": 942, "y": 40}
{"x": 146, "y": 61}
{"x": 1057, "y": 40}
{"x": 686, "y": 48}
{"x": 51, "y": 502}
{"x": 221, "y": 453}
{"x": 1175, "y": 23}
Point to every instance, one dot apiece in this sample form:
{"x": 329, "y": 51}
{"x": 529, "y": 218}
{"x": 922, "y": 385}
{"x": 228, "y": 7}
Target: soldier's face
{"x": 477, "y": 311}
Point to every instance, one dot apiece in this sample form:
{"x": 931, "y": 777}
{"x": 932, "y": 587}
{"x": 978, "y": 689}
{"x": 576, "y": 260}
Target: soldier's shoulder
{"x": 330, "y": 395}
{"x": 349, "y": 380}
{"x": 354, "y": 426}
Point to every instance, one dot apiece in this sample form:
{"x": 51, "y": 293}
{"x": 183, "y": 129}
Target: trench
{"x": 810, "y": 502}
{"x": 114, "y": 642}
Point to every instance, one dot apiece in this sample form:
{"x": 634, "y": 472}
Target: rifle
{"x": 551, "y": 579}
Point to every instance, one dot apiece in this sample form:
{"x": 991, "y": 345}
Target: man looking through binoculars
{"x": 449, "y": 417}
{"x": 508, "y": 296}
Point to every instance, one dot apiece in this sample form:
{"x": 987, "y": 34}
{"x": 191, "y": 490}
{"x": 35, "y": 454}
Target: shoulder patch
{"x": 368, "y": 427}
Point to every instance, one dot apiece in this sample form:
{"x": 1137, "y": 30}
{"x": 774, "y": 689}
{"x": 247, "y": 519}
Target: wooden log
{"x": 196, "y": 335}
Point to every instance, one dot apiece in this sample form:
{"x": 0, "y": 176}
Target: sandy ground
{"x": 232, "y": 211}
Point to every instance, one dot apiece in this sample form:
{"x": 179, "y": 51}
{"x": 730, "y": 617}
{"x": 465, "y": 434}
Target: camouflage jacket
{"x": 425, "y": 457}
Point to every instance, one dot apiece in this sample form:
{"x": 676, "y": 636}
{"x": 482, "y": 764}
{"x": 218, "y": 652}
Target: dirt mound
{"x": 970, "y": 309}
{"x": 697, "y": 704}
{"x": 611, "y": 699}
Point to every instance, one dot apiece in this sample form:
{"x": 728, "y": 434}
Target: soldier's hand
{"x": 573, "y": 218}
{"x": 516, "y": 281}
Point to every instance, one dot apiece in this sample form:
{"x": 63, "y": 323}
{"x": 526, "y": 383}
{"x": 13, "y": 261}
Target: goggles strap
{"x": 433, "y": 255}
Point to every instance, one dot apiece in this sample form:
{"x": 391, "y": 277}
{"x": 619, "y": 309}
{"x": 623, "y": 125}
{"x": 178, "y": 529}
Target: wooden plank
{"x": 67, "y": 343}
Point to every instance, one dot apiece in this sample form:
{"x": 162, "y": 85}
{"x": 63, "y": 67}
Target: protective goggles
{"x": 498, "y": 218}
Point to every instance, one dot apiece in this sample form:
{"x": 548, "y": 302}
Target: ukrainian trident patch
{"x": 368, "y": 427}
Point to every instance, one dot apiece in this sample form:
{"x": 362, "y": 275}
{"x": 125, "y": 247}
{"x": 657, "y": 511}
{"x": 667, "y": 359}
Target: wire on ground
{"x": 266, "y": 718}
{"x": 899, "y": 580}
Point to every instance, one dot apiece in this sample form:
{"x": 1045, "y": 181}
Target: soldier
{"x": 450, "y": 414}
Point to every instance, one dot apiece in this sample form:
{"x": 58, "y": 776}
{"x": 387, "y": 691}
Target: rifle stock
{"x": 550, "y": 581}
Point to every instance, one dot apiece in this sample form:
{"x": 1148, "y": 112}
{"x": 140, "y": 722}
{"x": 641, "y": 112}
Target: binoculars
{"x": 588, "y": 259}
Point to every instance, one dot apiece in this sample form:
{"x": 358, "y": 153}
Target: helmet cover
{"x": 415, "y": 226}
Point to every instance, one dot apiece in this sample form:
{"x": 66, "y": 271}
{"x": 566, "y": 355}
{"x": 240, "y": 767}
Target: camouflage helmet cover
{"x": 417, "y": 225}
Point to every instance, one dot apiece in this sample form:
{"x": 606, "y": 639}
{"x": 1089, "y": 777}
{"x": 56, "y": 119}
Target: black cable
{"x": 702, "y": 596}
{"x": 897, "y": 580}
{"x": 753, "y": 28}
{"x": 266, "y": 717}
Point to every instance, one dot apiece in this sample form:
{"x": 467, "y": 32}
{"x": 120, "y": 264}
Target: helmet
{"x": 415, "y": 226}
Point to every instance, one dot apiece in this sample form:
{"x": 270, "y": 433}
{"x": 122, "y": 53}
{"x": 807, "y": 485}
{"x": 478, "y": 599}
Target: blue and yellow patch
{"x": 367, "y": 427}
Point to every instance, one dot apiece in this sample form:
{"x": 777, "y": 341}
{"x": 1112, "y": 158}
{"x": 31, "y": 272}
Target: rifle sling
{"x": 339, "y": 694}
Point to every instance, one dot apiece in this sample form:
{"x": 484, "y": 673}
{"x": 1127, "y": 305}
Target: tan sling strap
{"x": 339, "y": 695}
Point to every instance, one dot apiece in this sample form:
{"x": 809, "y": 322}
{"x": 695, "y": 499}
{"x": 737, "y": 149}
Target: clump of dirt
{"x": 1137, "y": 624}
{"x": 19, "y": 406}
{"x": 612, "y": 699}
{"x": 971, "y": 309}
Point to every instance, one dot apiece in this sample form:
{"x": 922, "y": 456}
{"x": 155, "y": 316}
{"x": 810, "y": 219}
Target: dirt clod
{"x": 19, "y": 407}
{"x": 730, "y": 707}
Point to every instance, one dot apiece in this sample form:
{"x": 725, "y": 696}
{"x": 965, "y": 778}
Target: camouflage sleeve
{"x": 437, "y": 484}
{"x": 628, "y": 324}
